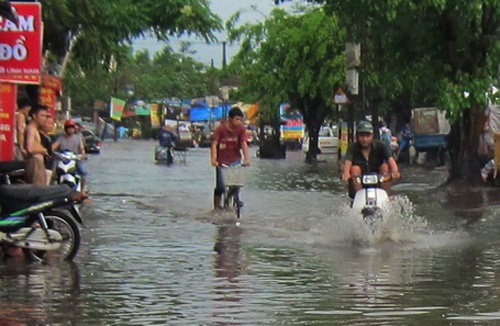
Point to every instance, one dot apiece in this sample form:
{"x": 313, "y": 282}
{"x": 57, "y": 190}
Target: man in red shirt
{"x": 229, "y": 140}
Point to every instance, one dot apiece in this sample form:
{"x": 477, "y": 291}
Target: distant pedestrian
{"x": 406, "y": 136}
{"x": 385, "y": 135}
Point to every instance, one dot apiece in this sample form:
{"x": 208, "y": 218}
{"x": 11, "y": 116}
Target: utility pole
{"x": 223, "y": 54}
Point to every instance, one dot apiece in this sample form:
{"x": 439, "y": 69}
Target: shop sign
{"x": 21, "y": 45}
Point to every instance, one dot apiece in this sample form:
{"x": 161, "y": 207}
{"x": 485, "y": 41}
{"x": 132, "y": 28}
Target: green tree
{"x": 292, "y": 58}
{"x": 447, "y": 51}
{"x": 92, "y": 30}
{"x": 166, "y": 75}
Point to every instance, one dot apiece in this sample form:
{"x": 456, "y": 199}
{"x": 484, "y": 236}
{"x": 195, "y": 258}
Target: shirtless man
{"x": 35, "y": 167}
{"x": 23, "y": 108}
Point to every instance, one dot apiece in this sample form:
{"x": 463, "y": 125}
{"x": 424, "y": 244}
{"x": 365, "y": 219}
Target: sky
{"x": 252, "y": 11}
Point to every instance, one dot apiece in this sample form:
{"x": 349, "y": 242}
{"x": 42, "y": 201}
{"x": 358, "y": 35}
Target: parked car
{"x": 92, "y": 142}
{"x": 328, "y": 141}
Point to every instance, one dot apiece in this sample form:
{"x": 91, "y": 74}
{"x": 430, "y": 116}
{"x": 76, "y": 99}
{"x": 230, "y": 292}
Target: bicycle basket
{"x": 234, "y": 175}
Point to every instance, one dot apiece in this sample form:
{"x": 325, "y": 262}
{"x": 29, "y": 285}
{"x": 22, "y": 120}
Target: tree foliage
{"x": 167, "y": 74}
{"x": 93, "y": 29}
{"x": 292, "y": 58}
{"x": 442, "y": 53}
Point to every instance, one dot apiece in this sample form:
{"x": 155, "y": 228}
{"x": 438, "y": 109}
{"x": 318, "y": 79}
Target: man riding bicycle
{"x": 229, "y": 140}
{"x": 368, "y": 155}
{"x": 167, "y": 139}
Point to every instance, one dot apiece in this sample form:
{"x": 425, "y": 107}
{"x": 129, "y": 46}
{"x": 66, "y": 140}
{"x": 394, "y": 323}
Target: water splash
{"x": 399, "y": 223}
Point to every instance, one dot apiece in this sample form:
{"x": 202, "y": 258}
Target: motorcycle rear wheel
{"x": 68, "y": 228}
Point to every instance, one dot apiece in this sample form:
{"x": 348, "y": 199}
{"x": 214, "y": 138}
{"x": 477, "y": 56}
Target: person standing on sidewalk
{"x": 46, "y": 129}
{"x": 23, "y": 109}
{"x": 229, "y": 141}
{"x": 35, "y": 167}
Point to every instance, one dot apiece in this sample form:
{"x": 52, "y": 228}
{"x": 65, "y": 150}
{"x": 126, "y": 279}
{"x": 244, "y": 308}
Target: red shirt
{"x": 229, "y": 143}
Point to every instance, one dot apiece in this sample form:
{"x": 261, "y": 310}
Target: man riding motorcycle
{"x": 73, "y": 142}
{"x": 365, "y": 155}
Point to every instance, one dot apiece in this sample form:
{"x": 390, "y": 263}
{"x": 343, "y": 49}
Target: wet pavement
{"x": 154, "y": 253}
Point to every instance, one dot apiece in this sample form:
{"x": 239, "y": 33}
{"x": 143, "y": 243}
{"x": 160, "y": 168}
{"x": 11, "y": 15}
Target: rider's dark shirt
{"x": 166, "y": 138}
{"x": 378, "y": 154}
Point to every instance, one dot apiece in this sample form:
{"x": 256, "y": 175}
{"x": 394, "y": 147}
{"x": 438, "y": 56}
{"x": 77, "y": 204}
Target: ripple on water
{"x": 154, "y": 255}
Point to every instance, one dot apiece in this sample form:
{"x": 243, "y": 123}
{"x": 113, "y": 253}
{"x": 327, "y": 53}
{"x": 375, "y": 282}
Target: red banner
{"x": 51, "y": 86}
{"x": 21, "y": 45}
{"x": 7, "y": 113}
{"x": 52, "y": 82}
{"x": 48, "y": 97}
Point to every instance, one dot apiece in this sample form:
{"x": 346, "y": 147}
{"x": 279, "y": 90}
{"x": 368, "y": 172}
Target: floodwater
{"x": 153, "y": 253}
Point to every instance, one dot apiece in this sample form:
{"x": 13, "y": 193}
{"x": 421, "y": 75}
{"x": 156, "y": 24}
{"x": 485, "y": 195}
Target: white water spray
{"x": 399, "y": 223}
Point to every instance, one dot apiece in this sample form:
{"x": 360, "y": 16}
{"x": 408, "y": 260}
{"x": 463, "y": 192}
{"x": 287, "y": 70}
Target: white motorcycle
{"x": 66, "y": 172}
{"x": 371, "y": 200}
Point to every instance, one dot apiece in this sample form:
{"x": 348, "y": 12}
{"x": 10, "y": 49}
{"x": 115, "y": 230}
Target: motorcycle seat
{"x": 10, "y": 166}
{"x": 32, "y": 193}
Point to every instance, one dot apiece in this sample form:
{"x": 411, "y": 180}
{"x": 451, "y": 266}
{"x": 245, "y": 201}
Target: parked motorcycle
{"x": 66, "y": 172}
{"x": 12, "y": 172}
{"x": 370, "y": 200}
{"x": 42, "y": 220}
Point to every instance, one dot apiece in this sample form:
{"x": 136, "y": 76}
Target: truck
{"x": 430, "y": 132}
{"x": 292, "y": 127}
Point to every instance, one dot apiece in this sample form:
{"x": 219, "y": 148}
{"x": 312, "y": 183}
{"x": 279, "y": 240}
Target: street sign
{"x": 340, "y": 97}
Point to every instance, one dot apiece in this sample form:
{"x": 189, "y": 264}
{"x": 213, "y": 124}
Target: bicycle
{"x": 234, "y": 179}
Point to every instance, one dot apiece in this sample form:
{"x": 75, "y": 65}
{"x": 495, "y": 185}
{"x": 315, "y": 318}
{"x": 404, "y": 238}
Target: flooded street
{"x": 153, "y": 252}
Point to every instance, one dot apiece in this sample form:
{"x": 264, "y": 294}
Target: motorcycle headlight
{"x": 370, "y": 179}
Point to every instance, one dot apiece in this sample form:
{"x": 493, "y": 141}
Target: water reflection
{"x": 36, "y": 294}
{"x": 228, "y": 266}
{"x": 228, "y": 261}
{"x": 153, "y": 255}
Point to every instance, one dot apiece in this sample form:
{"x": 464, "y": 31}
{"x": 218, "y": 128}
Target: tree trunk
{"x": 313, "y": 133}
{"x": 463, "y": 143}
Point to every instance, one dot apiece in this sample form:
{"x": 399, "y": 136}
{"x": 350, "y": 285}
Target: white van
{"x": 328, "y": 141}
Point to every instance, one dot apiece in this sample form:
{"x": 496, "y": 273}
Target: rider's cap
{"x": 365, "y": 126}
